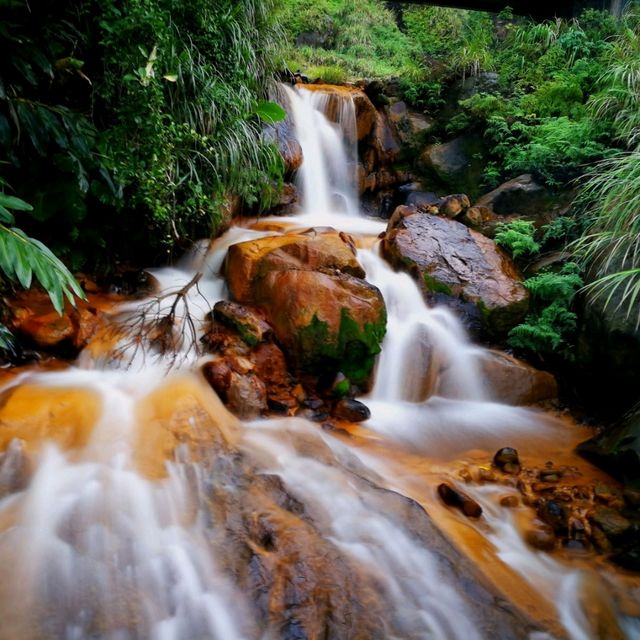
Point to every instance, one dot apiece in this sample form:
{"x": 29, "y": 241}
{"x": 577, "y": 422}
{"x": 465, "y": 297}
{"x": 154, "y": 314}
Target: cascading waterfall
{"x": 103, "y": 543}
{"x": 328, "y": 173}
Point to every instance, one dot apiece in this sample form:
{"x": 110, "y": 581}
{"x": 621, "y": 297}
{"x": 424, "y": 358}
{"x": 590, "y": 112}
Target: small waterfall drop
{"x": 328, "y": 174}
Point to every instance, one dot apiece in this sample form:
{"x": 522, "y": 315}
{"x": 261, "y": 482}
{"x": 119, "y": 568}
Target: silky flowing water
{"x": 135, "y": 506}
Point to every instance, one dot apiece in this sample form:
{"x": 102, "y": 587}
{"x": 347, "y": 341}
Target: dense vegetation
{"x": 128, "y": 128}
{"x": 129, "y": 125}
{"x": 559, "y": 99}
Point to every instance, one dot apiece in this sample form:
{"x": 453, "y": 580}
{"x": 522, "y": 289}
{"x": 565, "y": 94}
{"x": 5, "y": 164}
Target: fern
{"x": 547, "y": 332}
{"x": 560, "y": 287}
{"x": 551, "y": 326}
{"x": 518, "y": 238}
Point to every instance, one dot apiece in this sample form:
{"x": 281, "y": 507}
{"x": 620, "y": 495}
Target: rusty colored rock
{"x": 541, "y": 537}
{"x": 251, "y": 327}
{"x": 454, "y": 205}
{"x": 248, "y": 262}
{"x": 246, "y": 396}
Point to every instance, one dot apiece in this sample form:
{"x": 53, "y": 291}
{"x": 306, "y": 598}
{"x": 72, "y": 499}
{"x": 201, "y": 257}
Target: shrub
{"x": 518, "y": 238}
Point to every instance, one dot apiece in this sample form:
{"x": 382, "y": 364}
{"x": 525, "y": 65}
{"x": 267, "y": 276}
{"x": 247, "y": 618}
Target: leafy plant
{"x": 550, "y": 327}
{"x": 22, "y": 258}
{"x": 518, "y": 238}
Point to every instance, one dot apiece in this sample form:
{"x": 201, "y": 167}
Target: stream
{"x": 134, "y": 505}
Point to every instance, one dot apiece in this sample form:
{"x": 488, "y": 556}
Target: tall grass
{"x": 610, "y": 247}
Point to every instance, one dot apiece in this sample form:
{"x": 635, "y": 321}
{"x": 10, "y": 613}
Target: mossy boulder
{"x": 458, "y": 266}
{"x": 326, "y": 322}
{"x": 310, "y": 289}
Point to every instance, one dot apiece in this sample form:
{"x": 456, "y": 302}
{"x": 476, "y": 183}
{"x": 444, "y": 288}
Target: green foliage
{"x": 518, "y": 238}
{"x": 360, "y": 37}
{"x": 22, "y": 257}
{"x": 549, "y": 329}
{"x": 132, "y": 123}
{"x": 610, "y": 197}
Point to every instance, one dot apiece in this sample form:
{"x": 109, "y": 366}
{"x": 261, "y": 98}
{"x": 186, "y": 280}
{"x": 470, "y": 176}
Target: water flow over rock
{"x": 156, "y": 514}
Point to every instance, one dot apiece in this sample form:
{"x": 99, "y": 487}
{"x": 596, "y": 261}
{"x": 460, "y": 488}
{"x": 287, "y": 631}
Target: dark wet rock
{"x": 453, "y": 497}
{"x": 246, "y": 321}
{"x": 612, "y": 523}
{"x": 628, "y": 557}
{"x": 456, "y": 164}
{"x": 452, "y": 262}
{"x": 540, "y": 536}
{"x": 617, "y": 449}
{"x": 506, "y": 459}
{"x": 555, "y": 515}
{"x": 424, "y": 201}
{"x": 384, "y": 143}
{"x": 410, "y": 127}
{"x": 522, "y": 195}
{"x": 515, "y": 382}
{"x": 631, "y": 494}
{"x": 609, "y": 342}
{"x": 284, "y": 136}
{"x": 351, "y": 410}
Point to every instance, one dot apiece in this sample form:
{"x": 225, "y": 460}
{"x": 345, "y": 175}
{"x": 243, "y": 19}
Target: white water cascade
{"x": 95, "y": 545}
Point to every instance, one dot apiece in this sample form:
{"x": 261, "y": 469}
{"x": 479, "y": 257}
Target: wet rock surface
{"x": 567, "y": 511}
{"x": 515, "y": 382}
{"x": 450, "y": 261}
{"x": 310, "y": 288}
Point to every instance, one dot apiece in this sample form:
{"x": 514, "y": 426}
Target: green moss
{"x": 435, "y": 285}
{"x": 351, "y": 351}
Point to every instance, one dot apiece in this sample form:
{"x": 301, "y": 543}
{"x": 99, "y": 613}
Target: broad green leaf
{"x": 270, "y": 112}
{"x": 11, "y": 202}
{"x": 6, "y": 216}
{"x": 171, "y": 77}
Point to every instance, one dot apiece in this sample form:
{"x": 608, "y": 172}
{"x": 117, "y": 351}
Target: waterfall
{"x": 252, "y": 529}
{"x": 328, "y": 174}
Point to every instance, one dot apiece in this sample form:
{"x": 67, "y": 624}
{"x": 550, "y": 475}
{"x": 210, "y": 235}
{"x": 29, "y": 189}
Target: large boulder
{"x": 248, "y": 262}
{"x": 325, "y": 321}
{"x": 310, "y": 288}
{"x": 410, "y": 127}
{"x": 522, "y": 195}
{"x": 456, "y": 165}
{"x": 453, "y": 262}
{"x": 515, "y": 382}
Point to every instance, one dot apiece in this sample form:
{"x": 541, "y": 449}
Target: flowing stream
{"x": 148, "y": 511}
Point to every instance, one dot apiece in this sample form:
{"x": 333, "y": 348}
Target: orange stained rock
{"x": 37, "y": 414}
{"x": 185, "y": 411}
